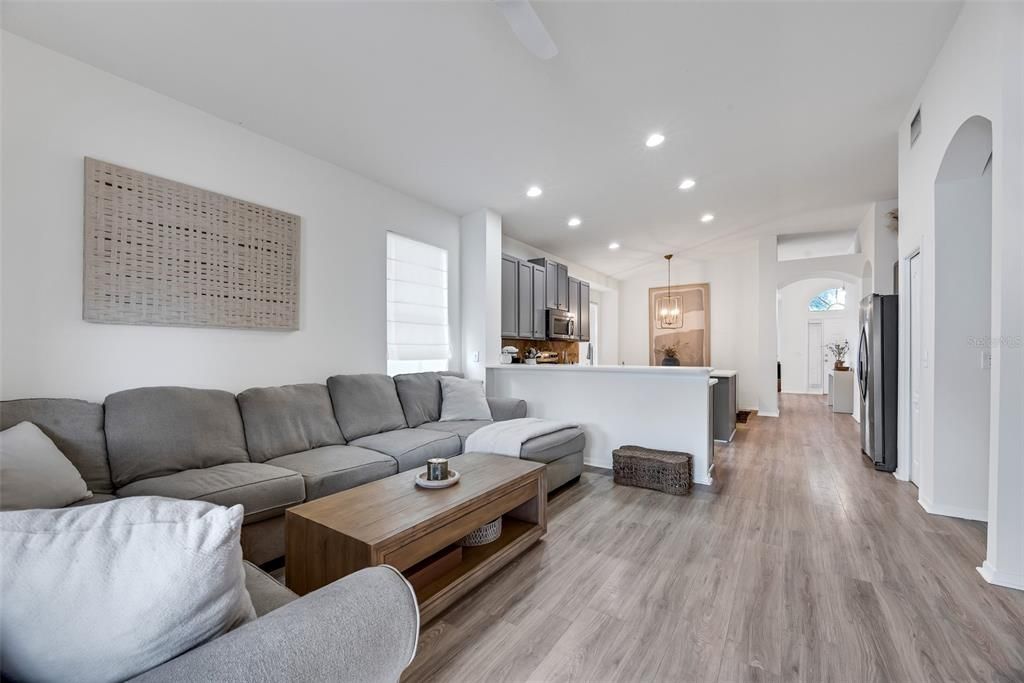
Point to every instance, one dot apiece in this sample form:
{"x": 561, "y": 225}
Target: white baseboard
{"x": 953, "y": 511}
{"x": 765, "y": 413}
{"x": 998, "y": 578}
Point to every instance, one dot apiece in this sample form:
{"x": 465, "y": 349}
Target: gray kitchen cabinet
{"x": 563, "y": 287}
{"x": 724, "y": 397}
{"x": 524, "y": 289}
{"x": 509, "y": 296}
{"x": 540, "y": 305}
{"x": 574, "y": 304}
{"x": 584, "y": 319}
{"x": 556, "y": 284}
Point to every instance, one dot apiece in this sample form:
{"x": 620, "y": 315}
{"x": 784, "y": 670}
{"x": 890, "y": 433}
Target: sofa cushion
{"x": 412, "y": 447}
{"x": 331, "y": 469}
{"x": 463, "y": 428}
{"x": 155, "y": 431}
{"x": 554, "y": 446}
{"x": 34, "y": 473}
{"x": 266, "y": 593}
{"x": 289, "y": 419}
{"x": 263, "y": 490}
{"x": 75, "y": 427}
{"x": 420, "y": 395}
{"x": 365, "y": 404}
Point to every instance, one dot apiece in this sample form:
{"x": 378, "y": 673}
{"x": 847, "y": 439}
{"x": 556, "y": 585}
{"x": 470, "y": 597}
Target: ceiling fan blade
{"x": 528, "y": 27}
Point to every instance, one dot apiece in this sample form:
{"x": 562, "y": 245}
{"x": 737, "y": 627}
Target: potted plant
{"x": 839, "y": 351}
{"x": 671, "y": 355}
{"x": 531, "y": 356}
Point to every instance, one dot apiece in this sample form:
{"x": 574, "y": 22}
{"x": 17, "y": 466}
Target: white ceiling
{"x": 777, "y": 109}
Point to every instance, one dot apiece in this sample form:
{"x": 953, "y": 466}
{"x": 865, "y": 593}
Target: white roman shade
{"x": 417, "y": 306}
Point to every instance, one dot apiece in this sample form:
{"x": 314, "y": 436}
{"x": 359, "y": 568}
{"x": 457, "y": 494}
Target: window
{"x": 417, "y": 306}
{"x": 829, "y": 300}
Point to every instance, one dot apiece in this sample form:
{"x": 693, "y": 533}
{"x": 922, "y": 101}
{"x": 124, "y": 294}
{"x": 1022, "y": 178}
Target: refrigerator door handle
{"x": 862, "y": 363}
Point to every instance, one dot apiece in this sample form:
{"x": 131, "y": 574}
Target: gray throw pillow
{"x": 34, "y": 473}
{"x": 463, "y": 399}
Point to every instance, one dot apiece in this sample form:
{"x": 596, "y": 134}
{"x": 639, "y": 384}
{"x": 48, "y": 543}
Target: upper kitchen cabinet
{"x": 576, "y": 306}
{"x": 509, "y": 297}
{"x": 556, "y": 281}
{"x": 584, "y": 319}
{"x": 523, "y": 299}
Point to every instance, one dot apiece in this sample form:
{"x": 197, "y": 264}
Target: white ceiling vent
{"x": 915, "y": 128}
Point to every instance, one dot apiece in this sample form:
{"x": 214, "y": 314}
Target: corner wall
{"x": 979, "y": 72}
{"x": 57, "y": 111}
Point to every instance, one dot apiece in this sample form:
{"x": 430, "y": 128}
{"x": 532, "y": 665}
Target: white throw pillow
{"x": 463, "y": 399}
{"x": 34, "y": 473}
{"x": 104, "y": 592}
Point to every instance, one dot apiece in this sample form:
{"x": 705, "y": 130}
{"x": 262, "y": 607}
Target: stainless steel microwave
{"x": 561, "y": 325}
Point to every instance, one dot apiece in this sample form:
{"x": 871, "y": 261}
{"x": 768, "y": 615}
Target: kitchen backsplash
{"x": 568, "y": 351}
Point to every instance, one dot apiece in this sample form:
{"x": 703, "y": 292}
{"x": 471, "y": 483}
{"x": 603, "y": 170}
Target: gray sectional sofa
{"x": 269, "y": 448}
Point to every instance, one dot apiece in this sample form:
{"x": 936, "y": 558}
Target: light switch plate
{"x": 476, "y": 356}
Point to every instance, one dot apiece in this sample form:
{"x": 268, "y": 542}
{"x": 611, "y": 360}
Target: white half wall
{"x": 57, "y": 111}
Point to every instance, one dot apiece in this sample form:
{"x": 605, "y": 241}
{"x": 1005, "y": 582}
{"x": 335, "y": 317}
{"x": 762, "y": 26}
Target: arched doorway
{"x": 956, "y": 482}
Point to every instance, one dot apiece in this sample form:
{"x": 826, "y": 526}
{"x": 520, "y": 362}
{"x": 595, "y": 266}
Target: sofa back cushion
{"x": 76, "y": 429}
{"x": 283, "y": 420}
{"x": 156, "y": 431}
{"x": 365, "y": 404}
{"x": 420, "y": 394}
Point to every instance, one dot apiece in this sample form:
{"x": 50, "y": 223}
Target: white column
{"x": 1004, "y": 564}
{"x": 480, "y": 286}
{"x": 767, "y": 335}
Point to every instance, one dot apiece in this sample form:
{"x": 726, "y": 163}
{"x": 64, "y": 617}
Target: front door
{"x": 815, "y": 357}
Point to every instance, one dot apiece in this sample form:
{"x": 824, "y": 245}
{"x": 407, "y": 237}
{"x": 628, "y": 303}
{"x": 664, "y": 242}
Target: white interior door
{"x": 815, "y": 357}
{"x": 915, "y": 367}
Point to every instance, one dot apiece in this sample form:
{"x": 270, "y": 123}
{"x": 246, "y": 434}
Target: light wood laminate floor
{"x": 801, "y": 564}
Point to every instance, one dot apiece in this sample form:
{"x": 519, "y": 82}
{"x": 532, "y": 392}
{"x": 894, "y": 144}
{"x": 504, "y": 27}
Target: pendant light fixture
{"x": 669, "y": 312}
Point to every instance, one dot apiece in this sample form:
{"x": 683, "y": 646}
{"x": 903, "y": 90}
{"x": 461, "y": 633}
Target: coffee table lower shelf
{"x": 477, "y": 564}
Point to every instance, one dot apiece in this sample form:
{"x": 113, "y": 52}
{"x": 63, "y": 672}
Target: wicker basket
{"x": 488, "y": 533}
{"x": 667, "y": 471}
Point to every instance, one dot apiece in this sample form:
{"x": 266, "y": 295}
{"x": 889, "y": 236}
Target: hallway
{"x": 802, "y": 564}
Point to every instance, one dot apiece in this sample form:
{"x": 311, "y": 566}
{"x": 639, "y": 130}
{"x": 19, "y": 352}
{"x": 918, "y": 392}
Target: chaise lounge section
{"x": 269, "y": 448}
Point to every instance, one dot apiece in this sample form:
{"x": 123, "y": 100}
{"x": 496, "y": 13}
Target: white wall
{"x": 793, "y": 318}
{"x": 980, "y": 71}
{"x": 481, "y": 291}
{"x": 604, "y": 290}
{"x": 734, "y": 332}
{"x": 57, "y": 111}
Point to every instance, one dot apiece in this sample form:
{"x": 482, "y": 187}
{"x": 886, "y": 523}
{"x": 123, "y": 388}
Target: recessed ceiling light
{"x": 655, "y": 139}
{"x": 575, "y": 222}
{"x": 613, "y": 246}
{"x": 534, "y": 191}
{"x": 707, "y": 218}
{"x": 687, "y": 184}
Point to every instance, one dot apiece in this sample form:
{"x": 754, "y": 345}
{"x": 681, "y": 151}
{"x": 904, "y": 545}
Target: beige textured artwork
{"x": 159, "y": 252}
{"x": 689, "y": 331}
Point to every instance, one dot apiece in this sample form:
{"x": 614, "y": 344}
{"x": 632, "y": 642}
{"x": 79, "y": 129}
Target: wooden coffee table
{"x": 393, "y": 521}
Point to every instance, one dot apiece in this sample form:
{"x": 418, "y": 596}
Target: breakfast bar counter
{"x": 667, "y": 408}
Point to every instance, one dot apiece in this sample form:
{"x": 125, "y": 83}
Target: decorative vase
{"x": 670, "y": 361}
{"x": 530, "y": 361}
{"x": 840, "y": 365}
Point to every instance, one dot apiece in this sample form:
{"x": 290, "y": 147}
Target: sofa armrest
{"x": 506, "y": 408}
{"x": 363, "y": 627}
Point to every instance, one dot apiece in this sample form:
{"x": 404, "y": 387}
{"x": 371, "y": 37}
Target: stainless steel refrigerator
{"x": 878, "y": 378}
